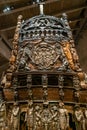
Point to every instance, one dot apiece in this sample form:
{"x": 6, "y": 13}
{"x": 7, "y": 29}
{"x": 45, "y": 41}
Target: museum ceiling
{"x": 76, "y": 11}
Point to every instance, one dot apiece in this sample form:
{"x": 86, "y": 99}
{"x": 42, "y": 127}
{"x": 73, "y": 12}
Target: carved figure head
{"x": 37, "y": 108}
{"x": 61, "y": 104}
{"x": 77, "y": 107}
{"x": 54, "y": 108}
{"x": 30, "y": 103}
{"x": 15, "y": 103}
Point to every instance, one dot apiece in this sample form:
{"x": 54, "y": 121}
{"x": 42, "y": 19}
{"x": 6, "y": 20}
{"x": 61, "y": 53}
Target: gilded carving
{"x": 81, "y": 76}
{"x": 66, "y": 48}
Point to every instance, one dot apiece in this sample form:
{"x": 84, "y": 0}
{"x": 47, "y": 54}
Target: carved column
{"x": 44, "y": 83}
{"x": 76, "y": 85}
{"x": 29, "y": 85}
{"x": 29, "y": 114}
{"x": 15, "y": 85}
{"x": 45, "y": 113}
{"x": 60, "y": 82}
{"x": 13, "y": 58}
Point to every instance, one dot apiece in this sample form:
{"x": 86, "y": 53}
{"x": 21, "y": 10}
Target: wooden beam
{"x": 26, "y": 8}
{"x": 71, "y": 10}
{"x": 8, "y": 29}
{"x": 8, "y": 17}
{"x": 83, "y": 23}
{"x": 10, "y": 1}
{"x": 4, "y": 50}
{"x": 46, "y": 3}
{"x": 3, "y": 68}
{"x": 5, "y": 40}
{"x": 75, "y": 20}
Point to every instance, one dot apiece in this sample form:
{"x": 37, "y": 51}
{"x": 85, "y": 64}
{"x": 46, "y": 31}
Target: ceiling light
{"x": 7, "y": 9}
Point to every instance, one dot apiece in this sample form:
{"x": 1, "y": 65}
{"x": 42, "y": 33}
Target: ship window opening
{"x": 68, "y": 81}
{"x": 36, "y": 79}
{"x": 22, "y": 80}
{"x": 52, "y": 79}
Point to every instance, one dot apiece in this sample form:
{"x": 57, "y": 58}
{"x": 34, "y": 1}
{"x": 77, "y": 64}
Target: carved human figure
{"x": 24, "y": 57}
{"x": 15, "y": 117}
{"x": 75, "y": 58}
{"x": 79, "y": 118}
{"x": 54, "y": 118}
{"x": 37, "y": 122}
{"x": 63, "y": 117}
{"x": 66, "y": 48}
{"x": 29, "y": 116}
{"x": 2, "y": 115}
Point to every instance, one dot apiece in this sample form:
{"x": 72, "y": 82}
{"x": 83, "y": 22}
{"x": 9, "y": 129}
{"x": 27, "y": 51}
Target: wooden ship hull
{"x": 44, "y": 87}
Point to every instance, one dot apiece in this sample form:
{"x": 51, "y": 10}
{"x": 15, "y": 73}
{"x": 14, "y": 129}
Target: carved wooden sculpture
{"x": 2, "y": 116}
{"x": 15, "y": 118}
{"x": 63, "y": 117}
{"x": 79, "y": 118}
{"x": 29, "y": 116}
{"x": 43, "y": 69}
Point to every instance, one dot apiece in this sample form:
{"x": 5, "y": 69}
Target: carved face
{"x": 61, "y": 104}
